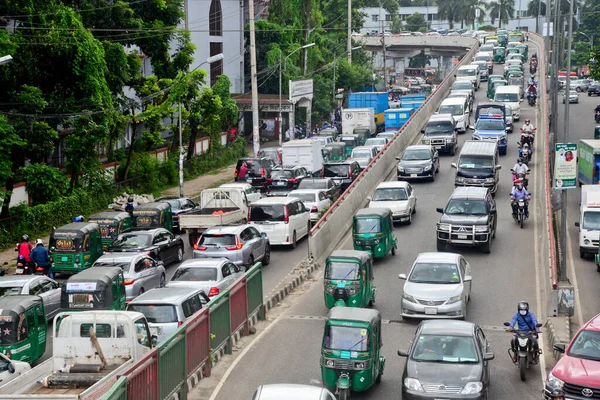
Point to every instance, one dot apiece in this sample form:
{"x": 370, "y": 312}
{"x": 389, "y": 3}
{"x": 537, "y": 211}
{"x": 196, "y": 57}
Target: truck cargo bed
{"x": 71, "y": 383}
{"x": 209, "y": 211}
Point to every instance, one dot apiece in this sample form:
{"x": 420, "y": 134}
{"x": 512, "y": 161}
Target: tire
{"x": 486, "y": 248}
{"x": 597, "y": 267}
{"x": 464, "y": 316}
{"x": 578, "y": 90}
{"x": 441, "y": 245}
{"x": 250, "y": 262}
{"x": 522, "y": 368}
{"x": 433, "y": 176}
{"x": 414, "y": 211}
{"x": 180, "y": 254}
{"x": 521, "y": 220}
{"x": 163, "y": 281}
{"x": 581, "y": 254}
{"x": 409, "y": 218}
{"x": 589, "y": 94}
{"x": 394, "y": 250}
{"x": 294, "y": 240}
{"x": 267, "y": 256}
{"x": 344, "y": 394}
{"x": 453, "y": 151}
{"x": 378, "y": 379}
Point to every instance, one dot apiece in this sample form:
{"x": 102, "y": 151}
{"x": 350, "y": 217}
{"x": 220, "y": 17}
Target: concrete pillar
{"x": 292, "y": 117}
{"x": 308, "y": 116}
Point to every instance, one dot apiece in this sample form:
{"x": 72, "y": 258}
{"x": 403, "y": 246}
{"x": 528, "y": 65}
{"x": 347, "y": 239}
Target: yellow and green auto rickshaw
{"x": 98, "y": 288}
{"x": 350, "y": 142}
{"x": 349, "y": 279}
{"x": 502, "y": 39}
{"x": 111, "y": 224}
{"x": 373, "y": 231}
{"x": 337, "y": 151}
{"x": 153, "y": 215}
{"x": 23, "y": 325}
{"x": 351, "y": 350}
{"x": 499, "y": 55}
{"x": 75, "y": 246}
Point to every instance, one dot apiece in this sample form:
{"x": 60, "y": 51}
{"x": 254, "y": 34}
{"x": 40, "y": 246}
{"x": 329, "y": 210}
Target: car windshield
{"x": 304, "y": 197}
{"x": 390, "y": 194}
{"x": 132, "y": 240}
{"x": 417, "y": 154}
{"x": 386, "y": 135}
{"x": 313, "y": 184}
{"x": 216, "y": 240}
{"x": 586, "y": 345}
{"x": 482, "y": 58}
{"x": 342, "y": 270}
{"x": 10, "y": 290}
{"x": 375, "y": 142}
{"x": 466, "y": 207}
{"x": 454, "y": 109}
{"x": 490, "y": 110}
{"x": 175, "y": 204}
{"x": 467, "y": 72}
{"x": 195, "y": 274}
{"x": 438, "y": 128}
{"x": 435, "y": 273}
{"x": 507, "y": 97}
{"x": 469, "y": 162}
{"x": 445, "y": 349}
{"x": 367, "y": 225}
{"x": 349, "y": 338}
{"x": 361, "y": 154}
{"x": 349, "y": 142}
{"x": 462, "y": 86}
{"x": 279, "y": 173}
{"x": 340, "y": 171}
{"x": 591, "y": 220}
{"x": 121, "y": 264}
{"x": 489, "y": 125}
{"x": 156, "y": 313}
{"x": 261, "y": 213}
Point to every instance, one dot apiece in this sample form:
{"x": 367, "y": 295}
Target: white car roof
{"x": 392, "y": 184}
{"x": 453, "y": 101}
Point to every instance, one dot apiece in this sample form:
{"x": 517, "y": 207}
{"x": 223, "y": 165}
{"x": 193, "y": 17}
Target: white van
{"x": 458, "y": 107}
{"x": 512, "y": 95}
{"x": 285, "y": 220}
{"x": 469, "y": 72}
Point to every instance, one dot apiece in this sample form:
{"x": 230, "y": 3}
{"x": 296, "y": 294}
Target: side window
{"x": 292, "y": 209}
{"x": 234, "y": 268}
{"x": 225, "y": 270}
{"x": 463, "y": 267}
{"x": 39, "y": 313}
{"x": 167, "y": 236}
{"x": 48, "y": 285}
{"x": 481, "y": 340}
{"x": 30, "y": 318}
{"x": 409, "y": 190}
{"x": 187, "y": 308}
{"x": 244, "y": 235}
{"x": 35, "y": 288}
{"x": 300, "y": 207}
{"x": 195, "y": 304}
{"x": 255, "y": 232}
{"x": 86, "y": 242}
{"x": 321, "y": 196}
{"x": 142, "y": 333}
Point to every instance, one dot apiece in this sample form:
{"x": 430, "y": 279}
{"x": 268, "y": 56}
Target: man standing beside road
{"x": 41, "y": 257}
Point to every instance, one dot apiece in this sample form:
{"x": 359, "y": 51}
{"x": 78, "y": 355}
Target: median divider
{"x": 333, "y": 225}
{"x": 177, "y": 364}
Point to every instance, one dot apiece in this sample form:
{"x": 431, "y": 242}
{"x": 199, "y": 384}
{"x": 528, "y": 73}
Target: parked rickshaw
{"x": 111, "y": 223}
{"x": 489, "y": 38}
{"x": 499, "y": 55}
{"x": 493, "y": 78}
{"x": 75, "y": 246}
{"x": 491, "y": 93}
{"x": 524, "y": 49}
{"x": 515, "y": 78}
{"x": 350, "y": 142}
{"x": 23, "y": 325}
{"x": 153, "y": 215}
{"x": 98, "y": 288}
{"x": 512, "y": 69}
{"x": 349, "y": 279}
{"x": 512, "y": 48}
{"x": 351, "y": 350}
{"x": 373, "y": 231}
{"x": 337, "y": 151}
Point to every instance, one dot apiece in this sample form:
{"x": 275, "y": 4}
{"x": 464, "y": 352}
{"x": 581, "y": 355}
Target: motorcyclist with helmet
{"x": 527, "y": 135}
{"x": 525, "y": 321}
{"x": 130, "y": 206}
{"x": 519, "y": 192}
{"x": 23, "y": 250}
{"x": 597, "y": 114}
{"x": 526, "y": 152}
{"x": 519, "y": 168}
{"x": 533, "y": 81}
{"x": 41, "y": 258}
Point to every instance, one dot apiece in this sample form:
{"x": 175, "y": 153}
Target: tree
{"x": 44, "y": 183}
{"x": 536, "y": 8}
{"x": 396, "y": 26}
{"x": 501, "y": 10}
{"x": 449, "y": 10}
{"x": 416, "y": 22}
{"x": 421, "y": 60}
{"x": 468, "y": 11}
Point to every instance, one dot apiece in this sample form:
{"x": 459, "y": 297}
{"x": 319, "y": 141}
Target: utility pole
{"x": 334, "y": 104}
{"x": 554, "y": 85}
{"x": 519, "y": 16}
{"x": 385, "y": 80}
{"x": 255, "y": 131}
{"x": 539, "y": 16}
{"x": 547, "y": 38}
{"x": 180, "y": 155}
{"x": 349, "y": 32}
{"x": 280, "y": 115}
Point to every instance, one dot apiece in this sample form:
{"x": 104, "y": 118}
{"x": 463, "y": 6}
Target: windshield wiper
{"x": 349, "y": 272}
{"x": 356, "y": 344}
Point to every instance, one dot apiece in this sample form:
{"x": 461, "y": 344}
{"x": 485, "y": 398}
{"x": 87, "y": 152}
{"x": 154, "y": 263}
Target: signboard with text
{"x": 301, "y": 88}
{"x": 565, "y": 166}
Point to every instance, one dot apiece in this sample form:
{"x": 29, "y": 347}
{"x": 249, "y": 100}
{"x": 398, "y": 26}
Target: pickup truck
{"x": 90, "y": 350}
{"x": 219, "y": 206}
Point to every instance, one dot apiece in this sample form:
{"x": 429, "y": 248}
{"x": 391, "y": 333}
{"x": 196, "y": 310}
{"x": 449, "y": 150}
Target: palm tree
{"x": 448, "y": 10}
{"x": 502, "y": 10}
{"x": 467, "y": 12}
{"x": 532, "y": 9}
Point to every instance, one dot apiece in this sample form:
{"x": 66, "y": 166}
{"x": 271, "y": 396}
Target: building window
{"x": 433, "y": 17}
{"x": 216, "y": 68}
{"x": 388, "y": 17}
{"x": 375, "y": 17}
{"x": 215, "y": 18}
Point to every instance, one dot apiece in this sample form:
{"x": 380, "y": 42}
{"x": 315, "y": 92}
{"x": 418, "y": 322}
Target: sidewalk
{"x": 191, "y": 188}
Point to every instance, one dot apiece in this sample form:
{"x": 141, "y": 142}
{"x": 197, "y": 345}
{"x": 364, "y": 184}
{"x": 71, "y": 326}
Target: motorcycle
{"x": 531, "y": 98}
{"x": 22, "y": 266}
{"x": 525, "y": 154}
{"x": 597, "y": 117}
{"x": 523, "y": 355}
{"x": 533, "y": 68}
{"x": 520, "y": 176}
{"x": 520, "y": 216}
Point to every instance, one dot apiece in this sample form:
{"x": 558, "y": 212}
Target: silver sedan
{"x": 438, "y": 286}
{"x": 141, "y": 272}
{"x": 39, "y": 285}
{"x": 213, "y": 275}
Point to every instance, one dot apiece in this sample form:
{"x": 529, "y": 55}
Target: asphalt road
{"x": 288, "y": 352}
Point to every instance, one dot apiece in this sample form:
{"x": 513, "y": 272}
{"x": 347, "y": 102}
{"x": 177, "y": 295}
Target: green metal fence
{"x": 172, "y": 374}
{"x": 254, "y": 291}
{"x": 118, "y": 391}
{"x": 220, "y": 323}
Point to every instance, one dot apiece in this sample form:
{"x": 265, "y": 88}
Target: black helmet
{"x": 25, "y": 238}
{"x": 523, "y": 305}
{"x": 519, "y": 160}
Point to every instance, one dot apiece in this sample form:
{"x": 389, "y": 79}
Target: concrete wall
{"x": 332, "y": 227}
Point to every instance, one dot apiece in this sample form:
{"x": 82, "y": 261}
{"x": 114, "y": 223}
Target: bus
{"x": 518, "y": 37}
{"x": 426, "y": 73}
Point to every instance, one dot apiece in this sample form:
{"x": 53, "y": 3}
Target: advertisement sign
{"x": 301, "y": 88}
{"x": 565, "y": 166}
{"x": 545, "y": 29}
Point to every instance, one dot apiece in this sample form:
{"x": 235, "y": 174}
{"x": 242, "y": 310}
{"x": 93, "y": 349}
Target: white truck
{"x": 90, "y": 350}
{"x": 589, "y": 220}
{"x": 218, "y": 206}
{"x": 358, "y": 118}
{"x": 304, "y": 153}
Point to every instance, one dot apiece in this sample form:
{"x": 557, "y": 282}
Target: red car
{"x": 576, "y": 376}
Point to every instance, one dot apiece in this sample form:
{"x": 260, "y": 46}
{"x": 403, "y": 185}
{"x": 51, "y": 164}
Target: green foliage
{"x": 9, "y": 141}
{"x": 421, "y": 60}
{"x": 44, "y": 183}
{"x": 229, "y": 110}
{"x": 502, "y": 11}
{"x": 487, "y": 28}
{"x": 415, "y": 22}
{"x": 151, "y": 175}
{"x": 218, "y": 159}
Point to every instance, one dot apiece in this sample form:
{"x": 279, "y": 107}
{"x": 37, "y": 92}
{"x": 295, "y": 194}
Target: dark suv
{"x": 257, "y": 170}
{"x": 594, "y": 88}
{"x": 285, "y": 179}
{"x": 343, "y": 173}
{"x": 469, "y": 219}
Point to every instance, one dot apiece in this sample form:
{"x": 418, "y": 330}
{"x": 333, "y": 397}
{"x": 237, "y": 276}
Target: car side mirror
{"x": 468, "y": 278}
{"x": 263, "y": 235}
{"x": 520, "y": 100}
{"x": 560, "y": 347}
{"x": 497, "y": 167}
{"x": 488, "y": 356}
{"x": 538, "y": 325}
{"x": 453, "y": 165}
{"x": 11, "y": 368}
{"x": 423, "y": 131}
{"x": 402, "y": 276}
{"x": 455, "y": 129}
{"x": 154, "y": 340}
{"x": 471, "y": 127}
{"x": 577, "y": 224}
{"x": 402, "y": 353}
{"x": 440, "y": 210}
{"x": 455, "y": 76}
{"x": 398, "y": 158}
{"x": 160, "y": 263}
{"x": 52, "y": 249}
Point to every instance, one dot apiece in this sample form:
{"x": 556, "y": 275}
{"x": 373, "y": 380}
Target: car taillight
{"x": 129, "y": 281}
{"x": 249, "y": 213}
{"x": 263, "y": 173}
{"x": 213, "y": 291}
{"x": 314, "y": 209}
{"x": 179, "y": 323}
{"x": 197, "y": 245}
{"x": 237, "y": 246}
{"x": 286, "y": 215}
{"x": 236, "y": 173}
{"x": 293, "y": 180}
{"x": 269, "y": 180}
{"x": 350, "y": 173}
{"x": 147, "y": 252}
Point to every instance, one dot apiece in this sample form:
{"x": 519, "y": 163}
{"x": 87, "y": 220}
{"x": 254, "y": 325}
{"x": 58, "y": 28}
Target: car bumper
{"x": 414, "y": 175}
{"x": 461, "y": 126}
{"x": 410, "y": 395}
{"x": 400, "y": 216}
{"x": 314, "y": 217}
{"x": 256, "y": 182}
{"x": 233, "y": 256}
{"x": 471, "y": 183}
{"x": 588, "y": 251}
{"x": 463, "y": 239}
{"x": 414, "y": 310}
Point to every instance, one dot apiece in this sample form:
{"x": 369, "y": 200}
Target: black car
{"x": 343, "y": 173}
{"x": 333, "y": 190}
{"x": 418, "y": 162}
{"x": 285, "y": 179}
{"x": 594, "y": 88}
{"x": 254, "y": 170}
{"x": 447, "y": 359}
{"x": 179, "y": 205}
{"x": 158, "y": 243}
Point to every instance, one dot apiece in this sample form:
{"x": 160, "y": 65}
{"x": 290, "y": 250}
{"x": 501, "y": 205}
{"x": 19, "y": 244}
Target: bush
{"x": 216, "y": 159}
{"x": 487, "y": 28}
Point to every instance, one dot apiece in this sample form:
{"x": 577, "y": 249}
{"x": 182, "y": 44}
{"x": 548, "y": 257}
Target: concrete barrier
{"x": 332, "y": 227}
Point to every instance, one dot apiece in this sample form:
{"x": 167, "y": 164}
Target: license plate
{"x": 430, "y": 311}
{"x": 413, "y": 175}
{"x": 337, "y": 181}
{"x": 267, "y": 228}
{"x": 279, "y": 183}
{"x": 19, "y": 270}
{"x": 64, "y": 259}
{"x": 464, "y": 237}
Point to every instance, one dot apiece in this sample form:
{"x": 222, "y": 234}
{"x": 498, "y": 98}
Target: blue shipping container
{"x": 395, "y": 118}
{"x": 376, "y": 100}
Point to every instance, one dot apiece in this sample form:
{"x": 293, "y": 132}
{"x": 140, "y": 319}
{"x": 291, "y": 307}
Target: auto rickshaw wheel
{"x": 344, "y": 394}
{"x": 394, "y": 250}
{"x": 378, "y": 379}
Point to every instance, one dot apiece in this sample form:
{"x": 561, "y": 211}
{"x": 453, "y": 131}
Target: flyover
{"x": 409, "y": 46}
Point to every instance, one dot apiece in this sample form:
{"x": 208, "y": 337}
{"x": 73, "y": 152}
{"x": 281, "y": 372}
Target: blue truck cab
{"x": 492, "y": 127}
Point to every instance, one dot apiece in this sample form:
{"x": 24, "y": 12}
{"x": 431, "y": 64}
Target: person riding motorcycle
{"x": 41, "y": 257}
{"x": 532, "y": 89}
{"x": 519, "y": 192}
{"x": 525, "y": 321}
{"x": 526, "y": 152}
{"x": 532, "y": 80}
{"x": 130, "y": 206}
{"x": 24, "y": 248}
{"x": 519, "y": 168}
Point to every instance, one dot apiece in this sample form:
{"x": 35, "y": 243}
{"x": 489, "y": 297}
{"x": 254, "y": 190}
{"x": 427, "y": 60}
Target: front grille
{"x": 345, "y": 364}
{"x": 462, "y": 229}
{"x": 431, "y": 302}
{"x": 438, "y": 142}
{"x": 414, "y": 170}
{"x": 577, "y": 390}
{"x": 596, "y": 242}
{"x": 442, "y": 389}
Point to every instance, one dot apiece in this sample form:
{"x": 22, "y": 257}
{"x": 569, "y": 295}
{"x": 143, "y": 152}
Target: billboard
{"x": 301, "y": 88}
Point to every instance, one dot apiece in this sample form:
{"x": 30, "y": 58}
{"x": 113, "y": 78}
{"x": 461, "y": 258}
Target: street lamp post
{"x": 306, "y": 46}
{"x": 209, "y": 60}
{"x": 590, "y": 38}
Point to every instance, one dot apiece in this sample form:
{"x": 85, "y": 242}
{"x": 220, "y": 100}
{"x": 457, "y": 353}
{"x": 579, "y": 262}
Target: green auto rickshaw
{"x": 493, "y": 78}
{"x": 512, "y": 49}
{"x": 597, "y": 135}
{"x": 337, "y": 151}
{"x": 111, "y": 223}
{"x": 502, "y": 39}
{"x": 153, "y": 215}
{"x": 75, "y": 246}
{"x": 499, "y": 55}
{"x": 351, "y": 350}
{"x": 23, "y": 325}
{"x": 349, "y": 279}
{"x": 333, "y": 132}
{"x": 373, "y": 231}
{"x": 350, "y": 142}
{"x": 491, "y": 93}
{"x": 98, "y": 288}
{"x": 524, "y": 49}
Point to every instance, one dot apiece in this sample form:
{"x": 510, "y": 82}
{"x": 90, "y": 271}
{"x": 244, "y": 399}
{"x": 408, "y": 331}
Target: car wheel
{"x": 250, "y": 262}
{"x": 267, "y": 256}
{"x": 163, "y": 281}
{"x": 440, "y": 245}
{"x": 414, "y": 211}
{"x": 464, "y": 313}
{"x": 294, "y": 241}
{"x": 487, "y": 246}
{"x": 578, "y": 90}
{"x": 180, "y": 254}
{"x": 409, "y": 218}
{"x": 589, "y": 94}
{"x": 581, "y": 254}
{"x": 433, "y": 176}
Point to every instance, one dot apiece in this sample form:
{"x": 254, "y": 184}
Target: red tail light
{"x": 314, "y": 209}
{"x": 237, "y": 246}
{"x": 249, "y": 213}
{"x": 263, "y": 173}
{"x": 179, "y": 323}
{"x": 213, "y": 291}
{"x": 236, "y": 173}
{"x": 294, "y": 180}
{"x": 7, "y": 354}
{"x": 350, "y": 173}
{"x": 269, "y": 180}
{"x": 286, "y": 215}
{"x": 197, "y": 245}
{"x": 129, "y": 281}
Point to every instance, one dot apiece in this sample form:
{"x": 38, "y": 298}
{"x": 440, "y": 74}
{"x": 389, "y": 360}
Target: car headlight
{"x": 408, "y": 298}
{"x": 330, "y": 363}
{"x": 472, "y": 388}
{"x": 476, "y": 137}
{"x": 586, "y": 242}
{"x": 330, "y": 289}
{"x": 460, "y": 118}
{"x": 444, "y": 227}
{"x": 428, "y": 168}
{"x": 489, "y": 180}
{"x": 400, "y": 169}
{"x": 413, "y": 384}
{"x": 359, "y": 365}
{"x": 426, "y": 141}
{"x": 460, "y": 179}
{"x": 454, "y": 299}
{"x": 481, "y": 228}
{"x": 554, "y": 383}
{"x": 376, "y": 241}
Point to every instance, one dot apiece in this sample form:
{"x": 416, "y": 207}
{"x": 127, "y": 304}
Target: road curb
{"x": 558, "y": 335}
{"x": 303, "y": 270}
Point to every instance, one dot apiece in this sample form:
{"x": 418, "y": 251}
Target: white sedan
{"x": 315, "y": 200}
{"x": 398, "y": 196}
{"x": 573, "y": 97}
